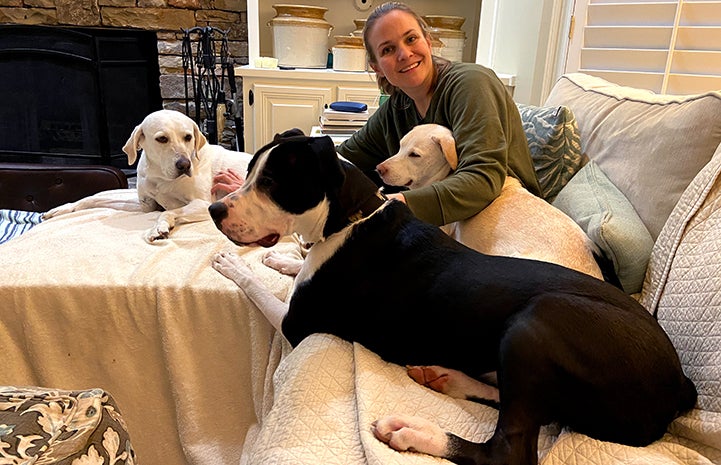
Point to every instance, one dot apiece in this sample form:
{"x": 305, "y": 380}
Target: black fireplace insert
{"x": 74, "y": 95}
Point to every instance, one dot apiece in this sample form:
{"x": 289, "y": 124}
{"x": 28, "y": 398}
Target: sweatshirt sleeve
{"x": 474, "y": 104}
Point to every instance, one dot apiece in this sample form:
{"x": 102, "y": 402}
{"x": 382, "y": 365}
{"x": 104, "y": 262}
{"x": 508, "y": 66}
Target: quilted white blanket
{"x": 327, "y": 392}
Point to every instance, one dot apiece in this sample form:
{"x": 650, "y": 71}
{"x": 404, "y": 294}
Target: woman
{"x": 467, "y": 98}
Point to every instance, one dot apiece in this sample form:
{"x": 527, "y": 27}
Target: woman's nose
{"x": 403, "y": 52}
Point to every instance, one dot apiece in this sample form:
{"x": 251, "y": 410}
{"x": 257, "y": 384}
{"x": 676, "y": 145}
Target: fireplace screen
{"x": 73, "y": 96}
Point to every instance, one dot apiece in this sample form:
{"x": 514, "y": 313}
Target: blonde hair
{"x": 439, "y": 64}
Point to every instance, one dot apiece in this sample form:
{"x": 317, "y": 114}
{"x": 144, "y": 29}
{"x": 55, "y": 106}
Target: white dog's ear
{"x": 448, "y": 147}
{"x": 200, "y": 139}
{"x": 132, "y": 146}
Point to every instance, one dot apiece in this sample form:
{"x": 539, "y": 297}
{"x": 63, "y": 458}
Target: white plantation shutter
{"x": 668, "y": 46}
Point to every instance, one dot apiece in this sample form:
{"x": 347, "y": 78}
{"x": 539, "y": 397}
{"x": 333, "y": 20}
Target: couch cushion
{"x": 610, "y": 221}
{"x": 650, "y": 145}
{"x": 683, "y": 289}
{"x": 52, "y": 426}
{"x": 555, "y": 145}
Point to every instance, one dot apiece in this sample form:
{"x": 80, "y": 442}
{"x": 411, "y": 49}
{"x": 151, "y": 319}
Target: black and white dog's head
{"x": 287, "y": 190}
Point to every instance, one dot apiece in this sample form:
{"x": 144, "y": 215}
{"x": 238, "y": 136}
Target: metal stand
{"x": 201, "y": 63}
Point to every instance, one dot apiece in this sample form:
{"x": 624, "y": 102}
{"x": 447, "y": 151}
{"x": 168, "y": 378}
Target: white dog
{"x": 175, "y": 172}
{"x": 516, "y": 224}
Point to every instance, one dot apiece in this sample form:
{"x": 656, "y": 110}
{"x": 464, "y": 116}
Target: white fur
{"x": 409, "y": 433}
{"x": 516, "y": 224}
{"x": 167, "y": 137}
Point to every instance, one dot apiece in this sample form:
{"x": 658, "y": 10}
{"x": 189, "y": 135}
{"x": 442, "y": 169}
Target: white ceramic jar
{"x": 349, "y": 54}
{"x": 448, "y": 30}
{"x": 300, "y": 36}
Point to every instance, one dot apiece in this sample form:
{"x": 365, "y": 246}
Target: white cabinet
{"x": 276, "y": 100}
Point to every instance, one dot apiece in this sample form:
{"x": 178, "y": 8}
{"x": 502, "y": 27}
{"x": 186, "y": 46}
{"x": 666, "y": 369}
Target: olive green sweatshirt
{"x": 471, "y": 101}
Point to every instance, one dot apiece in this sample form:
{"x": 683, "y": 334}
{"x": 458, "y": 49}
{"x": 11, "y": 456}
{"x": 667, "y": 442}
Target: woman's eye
{"x": 162, "y": 139}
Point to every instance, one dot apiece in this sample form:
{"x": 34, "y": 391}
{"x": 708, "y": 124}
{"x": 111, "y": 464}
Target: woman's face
{"x": 402, "y": 53}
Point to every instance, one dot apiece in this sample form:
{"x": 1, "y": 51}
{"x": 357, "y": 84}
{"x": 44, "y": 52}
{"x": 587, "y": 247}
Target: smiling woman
{"x": 467, "y": 98}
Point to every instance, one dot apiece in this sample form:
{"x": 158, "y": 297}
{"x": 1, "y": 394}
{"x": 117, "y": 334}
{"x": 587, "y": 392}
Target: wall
{"x": 530, "y": 46}
{"x": 341, "y": 14}
{"x": 166, "y": 17}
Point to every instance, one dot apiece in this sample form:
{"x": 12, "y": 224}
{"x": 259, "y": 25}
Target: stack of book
{"x": 342, "y": 123}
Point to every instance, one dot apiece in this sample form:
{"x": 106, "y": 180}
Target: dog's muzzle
{"x": 183, "y": 166}
{"x": 218, "y": 211}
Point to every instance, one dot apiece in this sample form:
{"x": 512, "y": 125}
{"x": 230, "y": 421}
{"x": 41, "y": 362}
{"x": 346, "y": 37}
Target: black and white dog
{"x": 566, "y": 347}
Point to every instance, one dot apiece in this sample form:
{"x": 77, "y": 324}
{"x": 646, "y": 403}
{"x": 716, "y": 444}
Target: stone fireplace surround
{"x": 167, "y": 18}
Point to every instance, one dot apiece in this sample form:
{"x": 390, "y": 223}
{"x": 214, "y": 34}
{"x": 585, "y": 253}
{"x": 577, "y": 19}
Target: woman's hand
{"x": 397, "y": 196}
{"x": 225, "y": 182}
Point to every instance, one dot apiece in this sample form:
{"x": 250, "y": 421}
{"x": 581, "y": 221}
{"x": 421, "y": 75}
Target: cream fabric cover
{"x": 85, "y": 302}
{"x": 683, "y": 288}
{"x": 321, "y": 401}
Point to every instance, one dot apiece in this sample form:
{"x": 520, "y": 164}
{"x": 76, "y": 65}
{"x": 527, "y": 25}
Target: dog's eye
{"x": 414, "y": 155}
{"x": 162, "y": 139}
{"x": 188, "y": 138}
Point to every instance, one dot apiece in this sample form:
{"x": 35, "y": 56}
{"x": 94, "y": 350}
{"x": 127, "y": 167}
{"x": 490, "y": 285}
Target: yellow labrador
{"x": 175, "y": 172}
{"x": 516, "y": 224}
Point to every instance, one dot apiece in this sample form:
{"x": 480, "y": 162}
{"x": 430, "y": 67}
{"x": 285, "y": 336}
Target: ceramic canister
{"x": 300, "y": 36}
{"x": 359, "y": 25}
{"x": 349, "y": 54}
{"x": 448, "y": 30}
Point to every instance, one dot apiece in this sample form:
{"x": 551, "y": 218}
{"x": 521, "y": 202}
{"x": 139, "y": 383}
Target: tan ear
{"x": 200, "y": 139}
{"x": 132, "y": 146}
{"x": 448, "y": 147}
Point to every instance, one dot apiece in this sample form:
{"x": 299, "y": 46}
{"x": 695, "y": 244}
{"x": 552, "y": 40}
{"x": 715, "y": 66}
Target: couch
{"x": 202, "y": 378}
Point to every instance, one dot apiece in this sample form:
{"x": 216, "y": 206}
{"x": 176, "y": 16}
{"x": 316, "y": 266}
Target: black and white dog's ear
{"x": 285, "y": 136}
{"x": 330, "y": 165}
{"x": 278, "y": 138}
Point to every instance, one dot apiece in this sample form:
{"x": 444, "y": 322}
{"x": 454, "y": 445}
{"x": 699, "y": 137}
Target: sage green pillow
{"x": 610, "y": 220}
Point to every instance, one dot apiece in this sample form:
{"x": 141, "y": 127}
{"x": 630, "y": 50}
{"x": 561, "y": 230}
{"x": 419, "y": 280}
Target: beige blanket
{"x": 85, "y": 303}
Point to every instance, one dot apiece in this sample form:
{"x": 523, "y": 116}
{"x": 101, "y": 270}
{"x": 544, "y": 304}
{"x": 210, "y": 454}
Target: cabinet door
{"x": 283, "y": 107}
{"x": 364, "y": 94}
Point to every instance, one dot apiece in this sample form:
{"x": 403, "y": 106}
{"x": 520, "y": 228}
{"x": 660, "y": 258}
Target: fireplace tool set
{"x": 208, "y": 71}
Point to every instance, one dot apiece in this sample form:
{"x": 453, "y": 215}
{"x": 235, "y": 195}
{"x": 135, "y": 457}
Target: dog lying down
{"x": 567, "y": 347}
{"x": 516, "y": 224}
{"x": 175, "y": 172}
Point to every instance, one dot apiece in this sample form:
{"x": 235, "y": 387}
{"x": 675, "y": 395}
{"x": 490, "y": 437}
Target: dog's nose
{"x": 183, "y": 166}
{"x": 381, "y": 169}
{"x": 218, "y": 211}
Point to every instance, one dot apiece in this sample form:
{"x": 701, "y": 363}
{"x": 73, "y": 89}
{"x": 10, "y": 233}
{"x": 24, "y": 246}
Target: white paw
{"x": 158, "y": 232}
{"x": 284, "y": 263}
{"x": 409, "y": 433}
{"x": 231, "y": 266}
